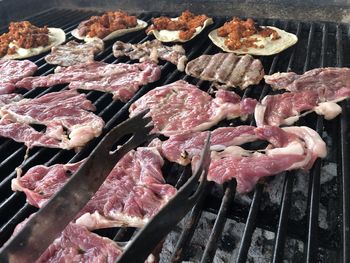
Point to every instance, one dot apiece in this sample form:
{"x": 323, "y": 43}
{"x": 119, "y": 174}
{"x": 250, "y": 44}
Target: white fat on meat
{"x": 328, "y": 109}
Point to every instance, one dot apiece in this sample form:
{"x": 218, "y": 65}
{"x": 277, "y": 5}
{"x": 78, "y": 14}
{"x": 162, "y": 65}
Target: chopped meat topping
{"x": 102, "y": 26}
{"x": 23, "y": 35}
{"x": 186, "y": 24}
{"x": 239, "y": 33}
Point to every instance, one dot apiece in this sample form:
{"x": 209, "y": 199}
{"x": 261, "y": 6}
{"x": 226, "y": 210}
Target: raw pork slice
{"x": 228, "y": 69}
{"x": 180, "y": 107}
{"x": 133, "y": 192}
{"x": 152, "y": 50}
{"x": 66, "y": 115}
{"x": 11, "y": 71}
{"x": 73, "y": 53}
{"x": 122, "y": 80}
{"x": 330, "y": 83}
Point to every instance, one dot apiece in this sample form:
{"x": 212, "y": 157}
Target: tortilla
{"x": 271, "y": 47}
{"x": 140, "y": 25}
{"x": 56, "y": 37}
{"x": 173, "y": 35}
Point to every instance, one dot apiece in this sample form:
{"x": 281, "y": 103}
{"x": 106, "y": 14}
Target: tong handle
{"x": 170, "y": 215}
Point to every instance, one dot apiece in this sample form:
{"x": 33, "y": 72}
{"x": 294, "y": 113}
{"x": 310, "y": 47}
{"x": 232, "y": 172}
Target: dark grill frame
{"x": 13, "y": 208}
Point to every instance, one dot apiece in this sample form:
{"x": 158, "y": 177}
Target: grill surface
{"x": 320, "y": 45}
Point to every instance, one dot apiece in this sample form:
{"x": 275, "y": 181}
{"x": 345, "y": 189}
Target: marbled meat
{"x": 73, "y": 52}
{"x": 66, "y": 115}
{"x": 227, "y": 70}
{"x": 289, "y": 148}
{"x": 122, "y": 80}
{"x": 330, "y": 83}
{"x": 11, "y": 71}
{"x": 152, "y": 51}
{"x": 180, "y": 107}
{"x": 287, "y": 108}
{"x": 134, "y": 191}
{"x": 9, "y": 98}
{"x": 77, "y": 244}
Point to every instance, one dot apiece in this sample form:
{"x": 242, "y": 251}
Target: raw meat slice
{"x": 180, "y": 107}
{"x": 152, "y": 50}
{"x": 122, "y": 85}
{"x": 290, "y": 148}
{"x": 58, "y": 111}
{"x": 41, "y": 182}
{"x": 73, "y": 53}
{"x": 287, "y": 108}
{"x": 9, "y": 98}
{"x": 21, "y": 132}
{"x": 330, "y": 83}
{"x": 77, "y": 244}
{"x": 183, "y": 147}
{"x": 228, "y": 69}
{"x": 122, "y": 80}
{"x": 11, "y": 71}
{"x": 133, "y": 192}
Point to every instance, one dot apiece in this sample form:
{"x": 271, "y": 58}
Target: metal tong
{"x": 170, "y": 215}
{"x": 43, "y": 228}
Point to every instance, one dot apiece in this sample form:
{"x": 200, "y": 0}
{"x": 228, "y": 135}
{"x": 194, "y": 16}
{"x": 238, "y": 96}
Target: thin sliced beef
{"x": 152, "y": 51}
{"x": 73, "y": 53}
{"x": 133, "y": 192}
{"x": 289, "y": 149}
{"x": 180, "y": 107}
{"x": 330, "y": 83}
{"x": 77, "y": 244}
{"x": 9, "y": 98}
{"x": 227, "y": 69}
{"x": 66, "y": 115}
{"x": 287, "y": 108}
{"x": 122, "y": 80}
{"x": 183, "y": 147}
{"x": 12, "y": 71}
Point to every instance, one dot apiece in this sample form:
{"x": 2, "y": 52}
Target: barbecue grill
{"x": 310, "y": 210}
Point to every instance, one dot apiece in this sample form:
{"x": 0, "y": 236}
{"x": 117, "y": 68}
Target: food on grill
{"x": 77, "y": 244}
{"x": 152, "y": 50}
{"x": 287, "y": 108}
{"x": 316, "y": 90}
{"x": 245, "y": 37}
{"x": 108, "y": 26}
{"x": 181, "y": 107}
{"x": 228, "y": 69}
{"x": 330, "y": 83}
{"x": 66, "y": 115}
{"x": 133, "y": 192}
{"x": 179, "y": 29}
{"x": 290, "y": 148}
{"x": 73, "y": 52}
{"x": 12, "y": 71}
{"x": 182, "y": 148}
{"x": 26, "y": 40}
{"x": 122, "y": 80}
{"x": 9, "y": 98}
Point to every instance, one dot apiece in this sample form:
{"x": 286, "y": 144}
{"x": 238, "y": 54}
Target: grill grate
{"x": 320, "y": 44}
